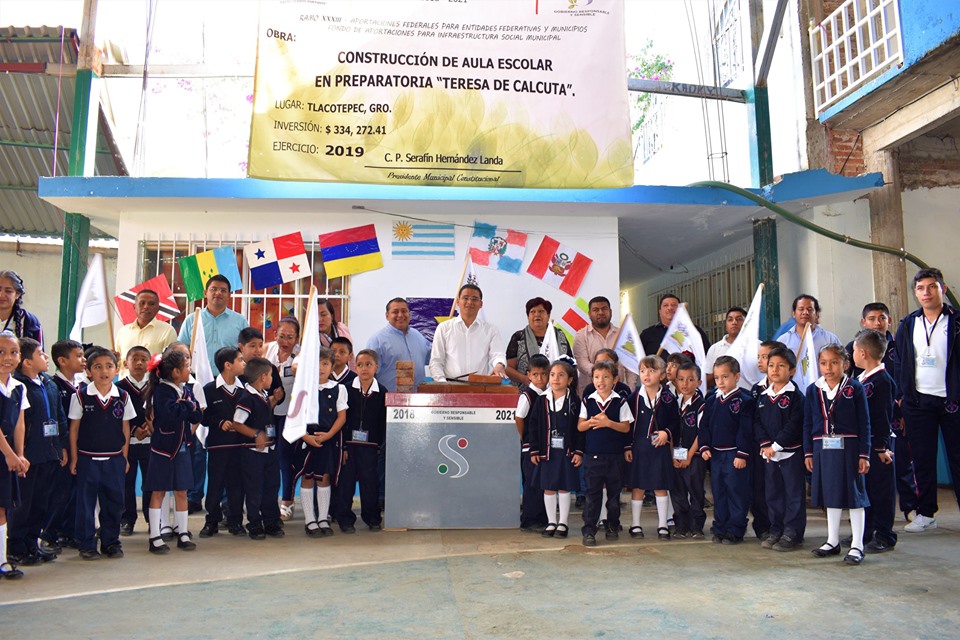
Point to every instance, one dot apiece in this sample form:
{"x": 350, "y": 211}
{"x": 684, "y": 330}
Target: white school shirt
{"x": 342, "y": 394}
{"x": 76, "y": 409}
{"x": 523, "y": 405}
{"x": 241, "y": 415}
{"x": 7, "y": 390}
{"x": 626, "y": 415}
{"x": 931, "y": 381}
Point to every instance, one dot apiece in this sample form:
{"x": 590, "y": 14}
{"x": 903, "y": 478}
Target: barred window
{"x": 261, "y": 308}
{"x": 728, "y": 41}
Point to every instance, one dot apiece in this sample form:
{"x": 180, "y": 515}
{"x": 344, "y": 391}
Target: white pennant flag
{"x": 682, "y": 335}
{"x": 92, "y": 300}
{"x": 202, "y": 373}
{"x": 550, "y": 346}
{"x": 304, "y": 404}
{"x": 808, "y": 367}
{"x": 628, "y": 346}
{"x": 746, "y": 346}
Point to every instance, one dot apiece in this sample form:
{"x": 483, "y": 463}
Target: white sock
{"x": 155, "y": 526}
{"x": 635, "y": 507}
{"x": 550, "y": 502}
{"x": 858, "y": 519}
{"x": 833, "y": 527}
{"x": 3, "y": 544}
{"x": 182, "y": 526}
{"x": 323, "y": 503}
{"x": 309, "y": 506}
{"x": 663, "y": 507}
{"x": 165, "y": 511}
{"x": 670, "y": 511}
{"x": 603, "y": 505}
{"x": 564, "y": 500}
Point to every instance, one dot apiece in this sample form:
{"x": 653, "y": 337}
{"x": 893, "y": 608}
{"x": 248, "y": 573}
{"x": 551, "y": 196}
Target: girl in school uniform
{"x": 556, "y": 445}
{"x": 174, "y": 409}
{"x": 13, "y": 402}
{"x": 657, "y": 420}
{"x": 836, "y": 448}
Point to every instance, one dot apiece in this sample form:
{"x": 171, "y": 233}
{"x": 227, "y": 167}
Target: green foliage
{"x": 648, "y": 65}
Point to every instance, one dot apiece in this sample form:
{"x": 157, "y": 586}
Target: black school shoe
{"x": 589, "y": 540}
{"x": 613, "y": 533}
{"x": 126, "y": 529}
{"x": 236, "y": 530}
{"x": 786, "y": 543}
{"x": 821, "y": 552}
{"x": 185, "y": 541}
{"x": 878, "y": 546}
{"x": 854, "y": 557}
{"x": 159, "y": 549}
{"x": 113, "y": 551}
{"x": 663, "y": 533}
{"x": 257, "y": 533}
{"x": 731, "y": 539}
{"x": 89, "y": 554}
{"x": 274, "y": 530}
{"x": 209, "y": 530}
{"x": 10, "y": 572}
{"x": 348, "y": 529}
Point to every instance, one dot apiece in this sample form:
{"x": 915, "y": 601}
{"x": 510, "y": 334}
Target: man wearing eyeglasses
{"x": 465, "y": 344}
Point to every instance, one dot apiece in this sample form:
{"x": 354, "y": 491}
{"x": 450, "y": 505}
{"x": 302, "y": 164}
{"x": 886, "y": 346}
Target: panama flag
{"x": 746, "y": 345}
{"x": 495, "y": 248}
{"x": 682, "y": 335}
{"x": 277, "y": 261}
{"x": 628, "y": 346}
{"x": 559, "y": 266}
{"x": 808, "y": 369}
{"x": 168, "y": 305}
{"x": 574, "y": 319}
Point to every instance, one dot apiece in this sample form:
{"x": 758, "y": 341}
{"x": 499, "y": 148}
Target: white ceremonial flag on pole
{"x": 808, "y": 368}
{"x": 202, "y": 373}
{"x": 746, "y": 346}
{"x": 682, "y": 335}
{"x": 550, "y": 346}
{"x": 304, "y": 405}
{"x": 92, "y": 299}
{"x": 628, "y": 346}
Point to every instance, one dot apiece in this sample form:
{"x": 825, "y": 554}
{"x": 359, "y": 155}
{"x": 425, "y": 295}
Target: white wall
{"x": 928, "y": 214}
{"x": 504, "y": 294}
{"x": 39, "y": 266}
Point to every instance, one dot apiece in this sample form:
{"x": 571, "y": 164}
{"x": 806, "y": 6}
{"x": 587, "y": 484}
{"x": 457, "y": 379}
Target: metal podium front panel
{"x": 452, "y": 468}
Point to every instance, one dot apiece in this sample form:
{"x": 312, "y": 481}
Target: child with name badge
{"x": 138, "y": 455}
{"x": 690, "y": 471}
{"x": 836, "y": 447}
{"x": 556, "y": 445}
{"x": 342, "y": 360}
{"x": 532, "y": 513}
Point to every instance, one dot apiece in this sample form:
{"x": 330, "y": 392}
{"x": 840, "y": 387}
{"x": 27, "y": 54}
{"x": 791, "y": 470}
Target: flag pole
{"x": 802, "y": 339}
{"x": 113, "y": 340}
{"x": 463, "y": 273}
{"x": 313, "y": 294}
{"x": 193, "y": 333}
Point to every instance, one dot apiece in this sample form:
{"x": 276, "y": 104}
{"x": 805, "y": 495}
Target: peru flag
{"x": 559, "y": 266}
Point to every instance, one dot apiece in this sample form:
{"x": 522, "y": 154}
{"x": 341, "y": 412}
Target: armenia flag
{"x": 277, "y": 261}
{"x": 495, "y": 248}
{"x": 350, "y": 251}
{"x": 199, "y": 268}
{"x": 559, "y": 266}
{"x": 415, "y": 240}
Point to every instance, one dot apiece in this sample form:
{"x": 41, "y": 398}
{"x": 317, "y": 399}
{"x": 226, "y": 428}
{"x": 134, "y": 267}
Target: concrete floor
{"x": 493, "y": 584}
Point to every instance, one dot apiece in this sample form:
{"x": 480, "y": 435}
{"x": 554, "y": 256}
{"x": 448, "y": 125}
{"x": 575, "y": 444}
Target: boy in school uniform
{"x": 68, "y": 358}
{"x": 690, "y": 470}
{"x": 605, "y": 417}
{"x": 533, "y": 514}
{"x": 259, "y": 465}
{"x": 674, "y": 360}
{"x": 138, "y": 455}
{"x": 763, "y": 354}
{"x": 725, "y": 439}
{"x": 342, "y": 352}
{"x": 45, "y": 444}
{"x": 100, "y": 418}
{"x": 876, "y": 316}
{"x": 879, "y": 387}
{"x": 250, "y": 344}
{"x": 778, "y": 427}
{"x": 363, "y": 432}
{"x": 224, "y": 444}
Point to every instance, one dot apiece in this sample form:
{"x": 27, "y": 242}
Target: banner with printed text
{"x": 495, "y": 93}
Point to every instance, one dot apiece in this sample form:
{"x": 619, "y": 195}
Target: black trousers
{"x": 758, "y": 502}
{"x": 786, "y": 487}
{"x": 138, "y": 455}
{"x": 881, "y": 483}
{"x": 99, "y": 481}
{"x": 533, "y": 513}
{"x": 906, "y": 476}
{"x": 260, "y": 478}
{"x": 688, "y": 496}
{"x": 925, "y": 420}
{"x": 602, "y": 470}
{"x": 223, "y": 474}
{"x": 360, "y": 467}
{"x": 25, "y": 522}
{"x": 62, "y": 515}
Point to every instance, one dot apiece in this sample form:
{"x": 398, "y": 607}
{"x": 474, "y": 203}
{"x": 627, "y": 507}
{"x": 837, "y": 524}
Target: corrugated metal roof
{"x": 36, "y": 114}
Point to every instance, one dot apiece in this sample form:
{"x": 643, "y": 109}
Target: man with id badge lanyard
{"x": 929, "y": 380}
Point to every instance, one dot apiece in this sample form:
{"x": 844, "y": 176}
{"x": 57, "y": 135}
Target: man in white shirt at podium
{"x": 466, "y": 345}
